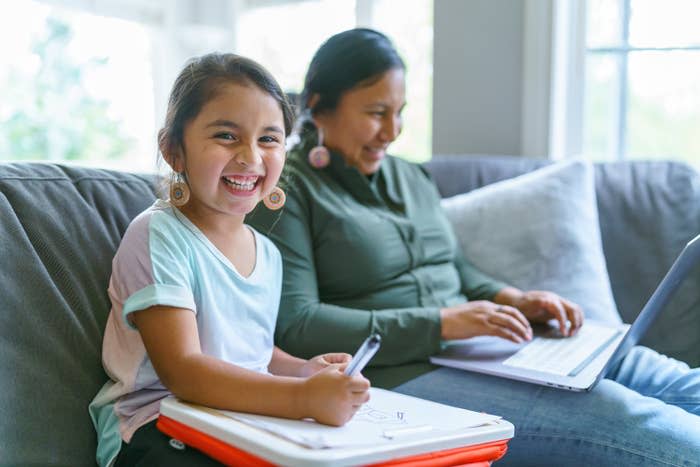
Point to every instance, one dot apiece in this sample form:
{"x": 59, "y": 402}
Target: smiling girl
{"x": 195, "y": 291}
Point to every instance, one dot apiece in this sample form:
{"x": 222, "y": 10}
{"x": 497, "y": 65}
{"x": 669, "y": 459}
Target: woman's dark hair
{"x": 346, "y": 60}
{"x": 200, "y": 81}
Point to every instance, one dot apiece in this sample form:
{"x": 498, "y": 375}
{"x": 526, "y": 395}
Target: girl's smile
{"x": 242, "y": 185}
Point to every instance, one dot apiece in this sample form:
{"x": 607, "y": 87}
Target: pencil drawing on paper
{"x": 367, "y": 413}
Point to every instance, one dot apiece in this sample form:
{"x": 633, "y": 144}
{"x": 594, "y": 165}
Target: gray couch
{"x": 60, "y": 226}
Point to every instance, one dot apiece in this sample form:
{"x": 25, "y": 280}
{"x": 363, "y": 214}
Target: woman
{"x": 366, "y": 248}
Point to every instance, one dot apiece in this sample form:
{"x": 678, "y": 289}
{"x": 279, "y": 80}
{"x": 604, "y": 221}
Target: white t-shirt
{"x": 164, "y": 259}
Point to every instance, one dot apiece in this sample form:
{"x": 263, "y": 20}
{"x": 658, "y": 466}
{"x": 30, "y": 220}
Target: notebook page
{"x": 387, "y": 416}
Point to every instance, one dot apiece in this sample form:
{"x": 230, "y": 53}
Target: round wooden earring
{"x": 179, "y": 191}
{"x": 275, "y": 199}
{"x": 319, "y": 157}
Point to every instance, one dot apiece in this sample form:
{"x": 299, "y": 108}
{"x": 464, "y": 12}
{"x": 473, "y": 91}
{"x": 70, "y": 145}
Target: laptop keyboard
{"x": 565, "y": 356}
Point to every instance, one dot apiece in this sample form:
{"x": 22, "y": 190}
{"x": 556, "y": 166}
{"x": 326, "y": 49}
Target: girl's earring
{"x": 179, "y": 191}
{"x": 319, "y": 156}
{"x": 275, "y": 199}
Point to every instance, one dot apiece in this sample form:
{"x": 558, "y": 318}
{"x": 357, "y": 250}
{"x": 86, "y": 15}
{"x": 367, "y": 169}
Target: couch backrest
{"x": 59, "y": 228}
{"x": 648, "y": 211}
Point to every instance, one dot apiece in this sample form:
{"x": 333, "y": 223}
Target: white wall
{"x": 478, "y": 76}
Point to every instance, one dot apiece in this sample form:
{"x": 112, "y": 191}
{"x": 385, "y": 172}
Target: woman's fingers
{"x": 515, "y": 313}
{"x": 575, "y": 314}
{"x": 507, "y": 324}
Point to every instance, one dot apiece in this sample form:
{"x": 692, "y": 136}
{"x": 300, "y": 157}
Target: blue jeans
{"x": 645, "y": 413}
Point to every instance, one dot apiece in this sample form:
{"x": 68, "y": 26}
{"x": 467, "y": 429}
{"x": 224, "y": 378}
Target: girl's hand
{"x": 319, "y": 362}
{"x": 541, "y": 306}
{"x": 482, "y": 317}
{"x": 331, "y": 397}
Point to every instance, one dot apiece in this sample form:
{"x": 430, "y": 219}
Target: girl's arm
{"x": 172, "y": 342}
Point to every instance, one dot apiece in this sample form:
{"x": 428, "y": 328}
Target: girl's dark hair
{"x": 200, "y": 81}
{"x": 346, "y": 60}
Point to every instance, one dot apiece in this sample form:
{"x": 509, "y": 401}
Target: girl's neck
{"x": 213, "y": 224}
{"x": 228, "y": 234}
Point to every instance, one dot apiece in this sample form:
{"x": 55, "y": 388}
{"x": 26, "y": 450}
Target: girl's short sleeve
{"x": 153, "y": 266}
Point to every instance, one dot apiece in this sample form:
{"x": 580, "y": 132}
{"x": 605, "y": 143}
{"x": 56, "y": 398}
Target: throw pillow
{"x": 539, "y": 231}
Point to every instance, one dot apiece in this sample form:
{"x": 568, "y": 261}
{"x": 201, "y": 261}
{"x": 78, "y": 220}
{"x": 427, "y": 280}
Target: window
{"x": 412, "y": 34}
{"x": 87, "y": 81}
{"x": 642, "y": 80}
{"x": 78, "y": 88}
{"x": 287, "y": 42}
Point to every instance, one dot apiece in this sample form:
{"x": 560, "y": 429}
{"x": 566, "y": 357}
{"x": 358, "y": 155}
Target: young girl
{"x": 195, "y": 291}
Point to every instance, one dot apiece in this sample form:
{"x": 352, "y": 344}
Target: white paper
{"x": 387, "y": 416}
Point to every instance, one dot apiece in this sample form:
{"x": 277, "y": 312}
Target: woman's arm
{"x": 172, "y": 342}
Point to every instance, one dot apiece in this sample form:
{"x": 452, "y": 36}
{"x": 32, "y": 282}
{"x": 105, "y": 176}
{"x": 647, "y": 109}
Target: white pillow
{"x": 539, "y": 231}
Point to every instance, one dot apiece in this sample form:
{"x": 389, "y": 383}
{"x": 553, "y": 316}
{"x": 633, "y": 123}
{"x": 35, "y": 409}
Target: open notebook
{"x": 389, "y": 426}
{"x": 574, "y": 363}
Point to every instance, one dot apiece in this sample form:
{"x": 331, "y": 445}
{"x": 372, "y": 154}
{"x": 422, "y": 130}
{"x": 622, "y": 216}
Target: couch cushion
{"x": 539, "y": 231}
{"x": 648, "y": 212}
{"x": 60, "y": 228}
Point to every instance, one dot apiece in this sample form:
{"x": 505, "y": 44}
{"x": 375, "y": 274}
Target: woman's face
{"x": 366, "y": 120}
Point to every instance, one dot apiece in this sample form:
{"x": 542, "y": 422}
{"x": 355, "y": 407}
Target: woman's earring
{"x": 275, "y": 199}
{"x": 319, "y": 156}
{"x": 179, "y": 191}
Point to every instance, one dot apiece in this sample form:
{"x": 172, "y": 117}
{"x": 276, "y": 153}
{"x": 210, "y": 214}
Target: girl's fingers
{"x": 359, "y": 384}
{"x": 337, "y": 357}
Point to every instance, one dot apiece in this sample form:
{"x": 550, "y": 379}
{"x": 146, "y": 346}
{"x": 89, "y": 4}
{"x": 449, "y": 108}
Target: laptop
{"x": 573, "y": 363}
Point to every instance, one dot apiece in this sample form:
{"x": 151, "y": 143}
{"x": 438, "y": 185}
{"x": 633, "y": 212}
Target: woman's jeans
{"x": 645, "y": 413}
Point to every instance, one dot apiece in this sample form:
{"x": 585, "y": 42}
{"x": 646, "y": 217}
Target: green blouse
{"x": 363, "y": 255}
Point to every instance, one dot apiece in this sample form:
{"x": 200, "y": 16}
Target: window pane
{"x": 604, "y": 23}
{"x": 283, "y": 38}
{"x": 79, "y": 88}
{"x": 668, "y": 23}
{"x": 664, "y": 105}
{"x": 601, "y": 104}
{"x": 412, "y": 34}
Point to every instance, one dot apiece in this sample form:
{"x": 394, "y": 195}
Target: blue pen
{"x": 363, "y": 355}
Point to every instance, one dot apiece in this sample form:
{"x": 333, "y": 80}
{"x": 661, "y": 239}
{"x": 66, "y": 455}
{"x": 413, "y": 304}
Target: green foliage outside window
{"x": 51, "y": 114}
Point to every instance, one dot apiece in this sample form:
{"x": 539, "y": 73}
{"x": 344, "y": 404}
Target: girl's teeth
{"x": 243, "y": 186}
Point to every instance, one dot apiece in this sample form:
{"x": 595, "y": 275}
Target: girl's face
{"x": 234, "y": 151}
{"x": 366, "y": 120}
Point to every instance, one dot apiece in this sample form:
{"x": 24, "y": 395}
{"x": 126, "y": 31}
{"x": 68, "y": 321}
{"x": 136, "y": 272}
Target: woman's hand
{"x": 482, "y": 317}
{"x": 540, "y": 306}
{"x": 319, "y": 362}
{"x": 331, "y": 397}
